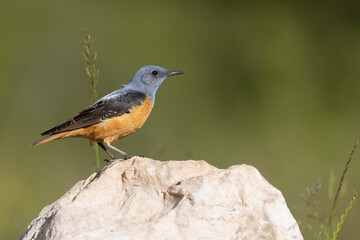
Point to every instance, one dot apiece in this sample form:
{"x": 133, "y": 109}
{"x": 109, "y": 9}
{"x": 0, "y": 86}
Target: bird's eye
{"x": 155, "y": 73}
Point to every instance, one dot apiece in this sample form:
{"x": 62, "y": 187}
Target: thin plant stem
{"x": 90, "y": 56}
{"x": 339, "y": 189}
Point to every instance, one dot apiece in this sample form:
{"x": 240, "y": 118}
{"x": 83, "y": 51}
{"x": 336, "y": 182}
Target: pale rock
{"x": 141, "y": 198}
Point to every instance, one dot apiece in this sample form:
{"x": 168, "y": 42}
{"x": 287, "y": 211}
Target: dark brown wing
{"x": 112, "y": 105}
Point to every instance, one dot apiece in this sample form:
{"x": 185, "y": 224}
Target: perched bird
{"x": 116, "y": 115}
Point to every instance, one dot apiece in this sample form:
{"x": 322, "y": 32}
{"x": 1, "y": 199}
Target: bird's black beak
{"x": 173, "y": 73}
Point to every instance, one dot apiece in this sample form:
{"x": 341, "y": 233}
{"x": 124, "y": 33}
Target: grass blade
{"x": 90, "y": 56}
{"x": 339, "y": 189}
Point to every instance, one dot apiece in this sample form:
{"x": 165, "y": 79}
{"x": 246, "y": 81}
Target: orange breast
{"x": 112, "y": 129}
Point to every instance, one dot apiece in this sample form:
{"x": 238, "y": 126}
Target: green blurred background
{"x": 268, "y": 83}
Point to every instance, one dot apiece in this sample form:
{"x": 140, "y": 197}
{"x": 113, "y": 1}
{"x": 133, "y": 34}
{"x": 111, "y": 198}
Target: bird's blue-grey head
{"x": 148, "y": 79}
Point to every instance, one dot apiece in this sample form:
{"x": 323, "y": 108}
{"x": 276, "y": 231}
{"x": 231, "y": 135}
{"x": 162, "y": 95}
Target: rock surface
{"x": 141, "y": 198}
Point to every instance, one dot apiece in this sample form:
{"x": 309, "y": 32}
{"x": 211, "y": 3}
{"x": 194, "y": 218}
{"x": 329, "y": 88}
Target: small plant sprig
{"x": 339, "y": 189}
{"x": 90, "y": 56}
{"x": 344, "y": 215}
{"x": 312, "y": 200}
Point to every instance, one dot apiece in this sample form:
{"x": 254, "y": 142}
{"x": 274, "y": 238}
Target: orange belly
{"x": 112, "y": 129}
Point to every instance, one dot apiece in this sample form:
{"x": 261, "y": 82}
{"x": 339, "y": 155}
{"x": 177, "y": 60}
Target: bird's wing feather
{"x": 112, "y": 105}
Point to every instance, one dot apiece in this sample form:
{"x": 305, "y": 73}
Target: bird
{"x": 115, "y": 115}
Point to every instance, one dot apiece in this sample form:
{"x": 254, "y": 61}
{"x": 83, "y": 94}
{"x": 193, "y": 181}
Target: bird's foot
{"x": 127, "y": 156}
{"x": 111, "y": 160}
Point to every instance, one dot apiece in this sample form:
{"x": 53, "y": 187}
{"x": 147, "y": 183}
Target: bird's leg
{"x": 126, "y": 155}
{"x": 107, "y": 151}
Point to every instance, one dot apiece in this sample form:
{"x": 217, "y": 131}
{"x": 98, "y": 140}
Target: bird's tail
{"x": 49, "y": 138}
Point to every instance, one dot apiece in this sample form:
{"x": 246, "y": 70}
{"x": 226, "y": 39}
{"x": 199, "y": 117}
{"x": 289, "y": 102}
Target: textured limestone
{"x": 141, "y": 198}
